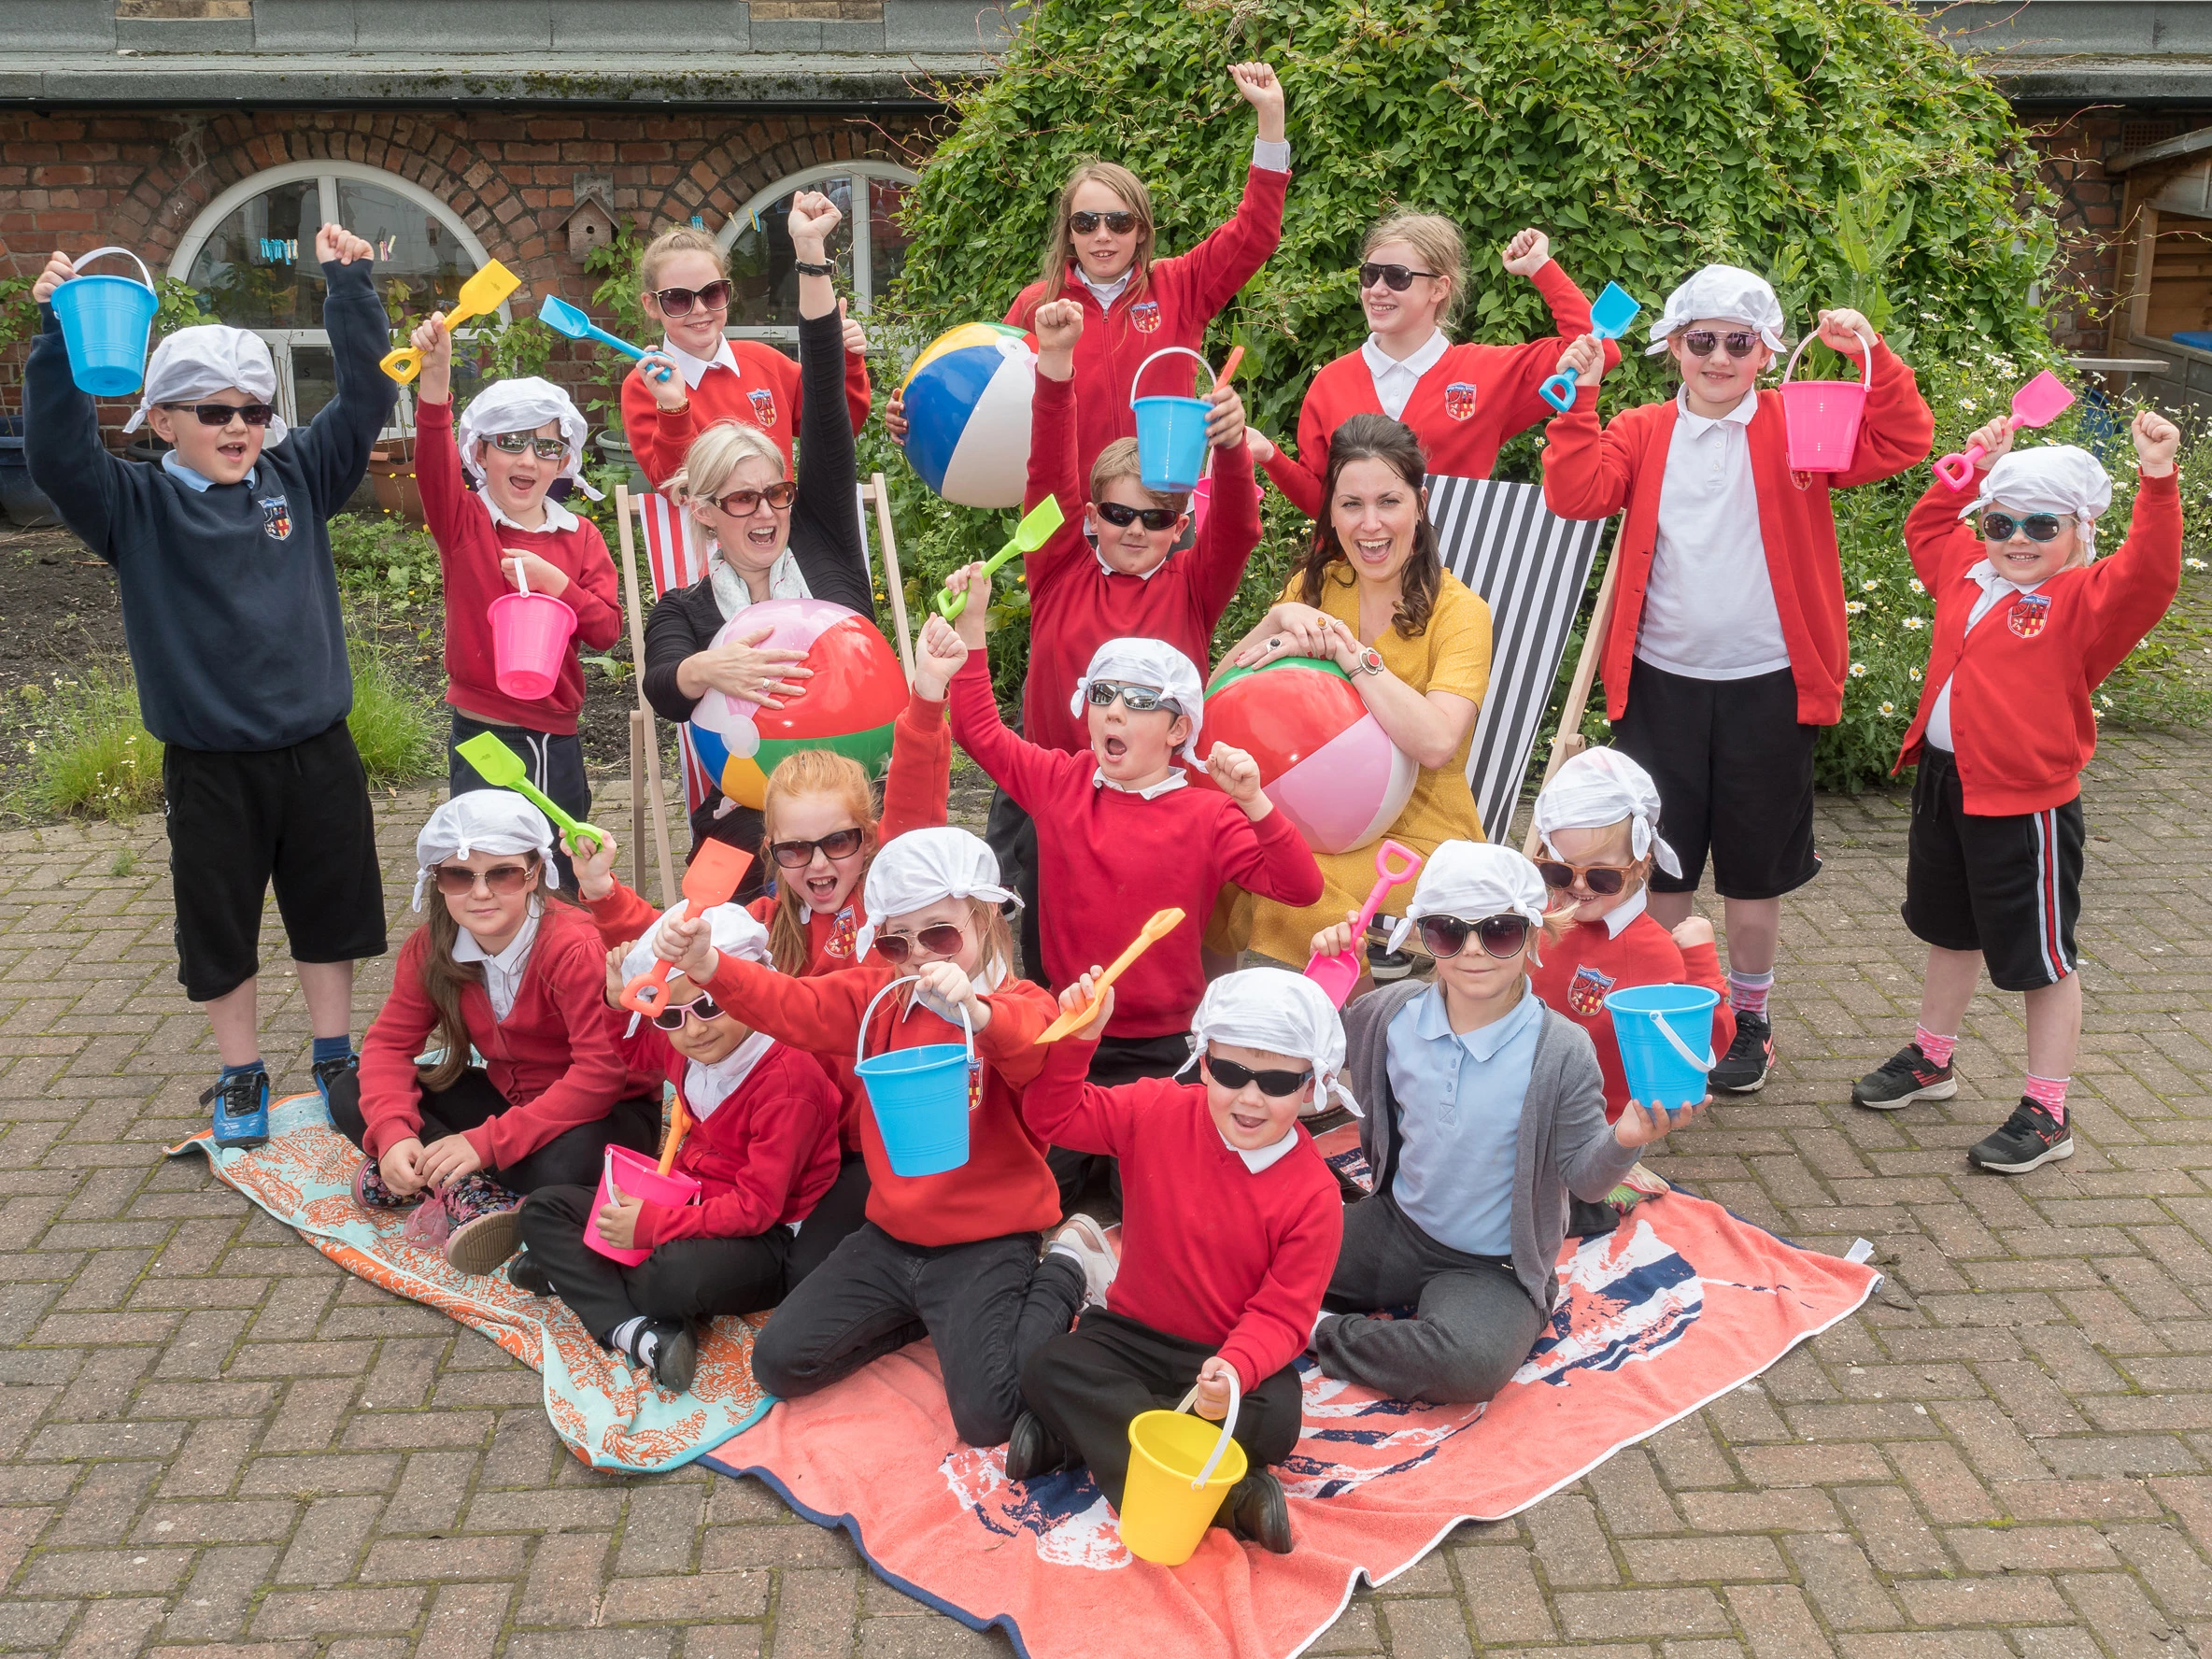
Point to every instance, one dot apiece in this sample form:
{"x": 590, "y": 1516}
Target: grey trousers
{"x": 1474, "y": 1325}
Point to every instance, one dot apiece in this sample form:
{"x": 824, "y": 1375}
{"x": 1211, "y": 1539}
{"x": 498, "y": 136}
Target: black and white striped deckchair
{"x": 1530, "y": 567}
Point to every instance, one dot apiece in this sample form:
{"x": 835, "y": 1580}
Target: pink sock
{"x": 2048, "y": 1093}
{"x": 1937, "y": 1048}
{"x": 1747, "y": 992}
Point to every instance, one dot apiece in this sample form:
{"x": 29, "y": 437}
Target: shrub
{"x": 382, "y": 558}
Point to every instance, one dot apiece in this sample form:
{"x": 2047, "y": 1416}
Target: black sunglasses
{"x": 1502, "y": 936}
{"x": 2037, "y": 527}
{"x": 701, "y": 1008}
{"x": 1137, "y": 700}
{"x": 798, "y": 855}
{"x": 1700, "y": 343}
{"x": 677, "y": 302}
{"x": 1605, "y": 880}
{"x": 1274, "y": 1084}
{"x": 222, "y": 414}
{"x": 743, "y": 503}
{"x": 1397, "y": 279}
{"x": 942, "y": 939}
{"x": 1084, "y": 224}
{"x": 1121, "y": 517}
{"x": 515, "y": 442}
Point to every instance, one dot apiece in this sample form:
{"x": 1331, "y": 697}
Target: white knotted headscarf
{"x": 1725, "y": 293}
{"x": 1149, "y": 662}
{"x": 206, "y": 359}
{"x": 2048, "y": 478}
{"x": 915, "y": 870}
{"x": 483, "y": 821}
{"x": 1472, "y": 879}
{"x": 523, "y": 406}
{"x": 1597, "y": 788}
{"x": 736, "y": 934}
{"x": 1283, "y": 1013}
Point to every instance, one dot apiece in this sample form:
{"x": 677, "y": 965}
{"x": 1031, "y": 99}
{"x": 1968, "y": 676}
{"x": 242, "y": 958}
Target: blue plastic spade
{"x": 1610, "y": 318}
{"x": 564, "y": 319}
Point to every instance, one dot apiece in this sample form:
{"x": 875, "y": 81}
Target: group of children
{"x": 1495, "y": 1115}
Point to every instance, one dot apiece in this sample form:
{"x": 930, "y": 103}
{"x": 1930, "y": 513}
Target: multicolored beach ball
{"x": 857, "y": 692}
{"x": 1323, "y": 760}
{"x": 968, "y": 414}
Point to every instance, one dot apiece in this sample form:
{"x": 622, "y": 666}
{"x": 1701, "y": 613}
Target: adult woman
{"x": 1373, "y": 596}
{"x": 769, "y": 538}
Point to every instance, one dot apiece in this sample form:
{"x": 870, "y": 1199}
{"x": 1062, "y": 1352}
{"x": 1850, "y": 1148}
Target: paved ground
{"x": 211, "y": 1440}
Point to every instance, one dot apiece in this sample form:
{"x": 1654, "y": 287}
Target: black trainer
{"x": 1257, "y": 1506}
{"x": 2030, "y": 1139}
{"x": 1743, "y": 1068}
{"x": 1388, "y": 966}
{"x": 528, "y": 1275}
{"x": 1031, "y": 1451}
{"x": 1906, "y": 1076}
{"x": 342, "y": 1075}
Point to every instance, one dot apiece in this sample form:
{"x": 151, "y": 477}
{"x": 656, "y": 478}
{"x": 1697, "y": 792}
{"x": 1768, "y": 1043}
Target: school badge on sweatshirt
{"x": 764, "y": 407}
{"x": 1459, "y": 400}
{"x": 1585, "y": 992}
{"x": 275, "y": 518}
{"x": 844, "y": 933}
{"x": 2029, "y": 612}
{"x": 1144, "y": 316}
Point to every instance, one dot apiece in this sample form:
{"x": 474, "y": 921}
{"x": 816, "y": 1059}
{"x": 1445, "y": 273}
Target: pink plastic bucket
{"x": 1202, "y": 502}
{"x": 635, "y": 1176}
{"x": 530, "y": 634}
{"x": 1822, "y": 416}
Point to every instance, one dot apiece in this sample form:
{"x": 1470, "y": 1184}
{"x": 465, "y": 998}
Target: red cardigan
{"x": 2020, "y": 681}
{"x": 1211, "y": 1251}
{"x": 556, "y": 1057}
{"x": 1469, "y": 403}
{"x": 1075, "y": 605}
{"x": 1589, "y": 474}
{"x": 763, "y": 392}
{"x": 1579, "y": 967}
{"x": 1170, "y": 304}
{"x": 469, "y": 546}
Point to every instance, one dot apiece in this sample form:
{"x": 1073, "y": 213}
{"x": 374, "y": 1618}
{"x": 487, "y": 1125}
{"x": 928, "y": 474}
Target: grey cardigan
{"x": 1564, "y": 1142}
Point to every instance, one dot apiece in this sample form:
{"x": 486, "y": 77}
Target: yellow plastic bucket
{"x": 1180, "y": 1468}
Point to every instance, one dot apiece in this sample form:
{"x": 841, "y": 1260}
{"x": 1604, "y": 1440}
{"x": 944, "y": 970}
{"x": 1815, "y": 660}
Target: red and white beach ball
{"x": 1323, "y": 760}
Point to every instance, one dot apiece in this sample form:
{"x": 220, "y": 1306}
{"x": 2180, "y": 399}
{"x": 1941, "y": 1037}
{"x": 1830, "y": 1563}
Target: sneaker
{"x": 527, "y": 1275}
{"x": 1906, "y": 1076}
{"x": 241, "y": 1109}
{"x": 1031, "y": 1451}
{"x": 2030, "y": 1139}
{"x": 370, "y": 1192}
{"x": 1096, "y": 1256}
{"x": 1385, "y": 966}
{"x": 1743, "y": 1068}
{"x": 485, "y": 1224}
{"x": 1258, "y": 1508}
{"x": 343, "y": 1076}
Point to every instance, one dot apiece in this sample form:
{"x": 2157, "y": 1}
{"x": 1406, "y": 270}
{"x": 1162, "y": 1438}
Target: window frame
{"x": 863, "y": 271}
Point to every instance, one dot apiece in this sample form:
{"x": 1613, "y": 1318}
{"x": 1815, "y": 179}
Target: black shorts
{"x": 299, "y": 816}
{"x": 2009, "y": 888}
{"x": 1733, "y": 766}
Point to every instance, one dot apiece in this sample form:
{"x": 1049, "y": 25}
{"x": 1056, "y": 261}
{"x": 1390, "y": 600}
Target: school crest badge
{"x": 1144, "y": 316}
{"x": 276, "y": 518}
{"x": 2029, "y": 612}
{"x": 844, "y": 933}
{"x": 975, "y": 1085}
{"x": 1459, "y": 400}
{"x": 763, "y": 408}
{"x": 1585, "y": 992}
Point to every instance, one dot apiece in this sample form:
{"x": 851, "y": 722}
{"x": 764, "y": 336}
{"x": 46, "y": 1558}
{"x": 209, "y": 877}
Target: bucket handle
{"x": 79, "y": 264}
{"x": 1867, "y": 360}
{"x": 861, "y": 1043}
{"x": 1168, "y": 351}
{"x": 1674, "y": 1039}
{"x": 1228, "y": 1429}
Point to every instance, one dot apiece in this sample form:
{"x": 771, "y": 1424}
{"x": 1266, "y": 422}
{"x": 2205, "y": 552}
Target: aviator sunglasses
{"x": 221, "y": 414}
{"x": 2037, "y": 527}
{"x": 677, "y": 302}
{"x": 941, "y": 939}
{"x": 1445, "y": 937}
{"x": 1085, "y": 224}
{"x": 1137, "y": 700}
{"x": 1122, "y": 515}
{"x": 1274, "y": 1084}
{"x": 504, "y": 879}
{"x": 515, "y": 442}
{"x": 1397, "y": 279}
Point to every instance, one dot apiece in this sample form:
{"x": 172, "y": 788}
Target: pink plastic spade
{"x": 2039, "y": 403}
{"x": 1339, "y": 973}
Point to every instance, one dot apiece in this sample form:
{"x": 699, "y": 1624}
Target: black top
{"x": 230, "y": 599}
{"x": 824, "y": 524}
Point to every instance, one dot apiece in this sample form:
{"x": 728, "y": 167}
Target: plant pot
{"x": 146, "y": 447}
{"x": 392, "y": 475}
{"x": 23, "y": 502}
{"x": 615, "y": 451}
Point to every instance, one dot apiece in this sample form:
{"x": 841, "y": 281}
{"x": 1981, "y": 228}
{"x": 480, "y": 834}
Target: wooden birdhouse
{"x": 591, "y": 222}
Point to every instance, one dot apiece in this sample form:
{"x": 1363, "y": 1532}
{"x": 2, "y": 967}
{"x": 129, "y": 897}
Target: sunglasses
{"x": 1084, "y": 224}
{"x": 1502, "y": 936}
{"x": 1602, "y": 879}
{"x": 1274, "y": 1084}
{"x": 1397, "y": 279}
{"x": 798, "y": 855}
{"x": 223, "y": 413}
{"x": 941, "y": 939}
{"x": 1137, "y": 700}
{"x": 743, "y": 503}
{"x": 1122, "y": 517}
{"x": 677, "y": 302}
{"x": 701, "y": 1008}
{"x": 515, "y": 442}
{"x": 505, "y": 879}
{"x": 2037, "y": 527}
{"x": 1700, "y": 343}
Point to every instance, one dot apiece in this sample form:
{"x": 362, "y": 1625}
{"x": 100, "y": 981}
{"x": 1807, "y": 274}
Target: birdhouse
{"x": 589, "y": 226}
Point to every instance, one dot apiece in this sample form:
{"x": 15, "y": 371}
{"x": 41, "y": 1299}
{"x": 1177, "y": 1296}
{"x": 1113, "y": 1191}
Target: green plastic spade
{"x": 1031, "y": 533}
{"x": 502, "y": 769}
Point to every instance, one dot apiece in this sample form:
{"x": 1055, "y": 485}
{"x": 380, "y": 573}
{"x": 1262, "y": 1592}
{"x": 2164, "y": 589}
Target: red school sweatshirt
{"x": 469, "y": 545}
{"x": 1076, "y": 605}
{"x": 1210, "y": 1251}
{"x": 1471, "y": 401}
{"x": 1593, "y": 474}
{"x": 1005, "y": 1186}
{"x": 764, "y": 392}
{"x": 1580, "y": 967}
{"x": 556, "y": 1057}
{"x": 1170, "y": 304}
{"x": 2020, "y": 681}
{"x": 1106, "y": 859}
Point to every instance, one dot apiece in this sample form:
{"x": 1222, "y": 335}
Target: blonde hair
{"x": 715, "y": 453}
{"x": 811, "y": 772}
{"x": 1119, "y": 460}
{"x": 1437, "y": 240}
{"x": 1059, "y": 246}
{"x": 681, "y": 238}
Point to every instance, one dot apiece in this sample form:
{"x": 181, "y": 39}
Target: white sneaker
{"x": 1088, "y": 1241}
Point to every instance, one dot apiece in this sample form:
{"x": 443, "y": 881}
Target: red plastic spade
{"x": 1339, "y": 973}
{"x": 2039, "y": 403}
{"x": 713, "y": 875}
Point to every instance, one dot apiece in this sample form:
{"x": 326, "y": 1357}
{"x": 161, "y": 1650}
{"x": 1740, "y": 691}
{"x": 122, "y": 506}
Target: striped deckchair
{"x": 674, "y": 558}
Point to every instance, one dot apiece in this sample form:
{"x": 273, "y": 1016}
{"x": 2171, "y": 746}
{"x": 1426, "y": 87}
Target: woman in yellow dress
{"x": 1373, "y": 596}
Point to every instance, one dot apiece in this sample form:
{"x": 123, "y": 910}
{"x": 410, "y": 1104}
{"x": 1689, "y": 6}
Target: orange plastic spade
{"x": 713, "y": 875}
{"x": 679, "y": 1125}
{"x": 1163, "y": 923}
{"x": 1229, "y": 368}
{"x": 1339, "y": 973}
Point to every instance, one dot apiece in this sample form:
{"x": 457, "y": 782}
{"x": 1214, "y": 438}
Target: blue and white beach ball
{"x": 968, "y": 414}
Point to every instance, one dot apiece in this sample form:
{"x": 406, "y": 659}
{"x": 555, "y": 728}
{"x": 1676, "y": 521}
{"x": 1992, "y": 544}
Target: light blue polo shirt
{"x": 1460, "y": 1102}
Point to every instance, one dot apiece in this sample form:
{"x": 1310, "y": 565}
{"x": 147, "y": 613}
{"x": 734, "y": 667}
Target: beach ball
{"x": 968, "y": 414}
{"x": 1323, "y": 760}
{"x": 857, "y": 692}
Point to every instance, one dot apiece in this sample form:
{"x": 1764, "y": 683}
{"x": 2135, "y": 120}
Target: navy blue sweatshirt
{"x": 230, "y": 599}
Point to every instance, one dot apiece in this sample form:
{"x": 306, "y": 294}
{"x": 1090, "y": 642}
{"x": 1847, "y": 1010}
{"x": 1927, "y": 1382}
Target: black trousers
{"x": 1012, "y": 835}
{"x": 986, "y": 1305}
{"x": 683, "y": 1279}
{"x": 571, "y": 1159}
{"x": 1087, "y": 1385}
{"x": 839, "y": 1211}
{"x": 555, "y": 763}
{"x": 1118, "y": 1060}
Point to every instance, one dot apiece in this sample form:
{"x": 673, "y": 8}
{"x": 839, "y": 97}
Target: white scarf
{"x": 731, "y": 595}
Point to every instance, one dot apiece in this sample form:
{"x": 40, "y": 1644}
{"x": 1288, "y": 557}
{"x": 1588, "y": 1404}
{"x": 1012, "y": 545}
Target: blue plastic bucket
{"x": 1170, "y": 431}
{"x": 1666, "y": 1033}
{"x": 106, "y": 323}
{"x": 919, "y": 1096}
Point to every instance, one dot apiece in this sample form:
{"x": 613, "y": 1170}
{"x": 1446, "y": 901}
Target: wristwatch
{"x": 1370, "y": 661}
{"x": 805, "y": 269}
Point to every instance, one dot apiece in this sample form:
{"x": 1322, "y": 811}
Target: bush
{"x": 382, "y": 558}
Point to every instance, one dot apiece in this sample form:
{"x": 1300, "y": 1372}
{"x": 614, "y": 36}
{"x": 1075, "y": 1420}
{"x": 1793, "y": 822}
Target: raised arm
{"x": 1898, "y": 427}
{"x": 335, "y": 448}
{"x": 825, "y": 518}
{"x": 61, "y": 439}
{"x": 2130, "y": 589}
{"x": 1226, "y": 260}
{"x": 1052, "y": 466}
{"x": 1588, "y": 471}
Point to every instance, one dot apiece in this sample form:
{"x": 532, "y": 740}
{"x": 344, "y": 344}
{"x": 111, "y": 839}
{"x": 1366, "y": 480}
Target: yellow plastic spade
{"x": 480, "y": 296}
{"x": 1163, "y": 923}
{"x": 502, "y": 769}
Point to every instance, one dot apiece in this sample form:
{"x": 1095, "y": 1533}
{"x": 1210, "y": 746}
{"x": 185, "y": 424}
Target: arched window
{"x": 766, "y": 303}
{"x": 251, "y": 256}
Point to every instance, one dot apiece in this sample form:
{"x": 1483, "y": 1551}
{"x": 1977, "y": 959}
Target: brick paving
{"x": 212, "y": 1441}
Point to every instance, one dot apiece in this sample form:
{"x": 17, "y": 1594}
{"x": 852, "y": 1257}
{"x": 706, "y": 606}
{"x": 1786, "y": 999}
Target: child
{"x": 230, "y": 610}
{"x": 762, "y": 1146}
{"x": 951, "y": 1257}
{"x": 514, "y": 438}
{"x": 697, "y": 377}
{"x": 1726, "y": 651}
{"x": 1230, "y": 1226}
{"x": 1461, "y": 401}
{"x": 2005, "y": 727}
{"x": 503, "y": 966}
{"x": 1484, "y": 1111}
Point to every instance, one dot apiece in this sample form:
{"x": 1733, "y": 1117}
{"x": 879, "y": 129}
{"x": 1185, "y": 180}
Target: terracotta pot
{"x": 391, "y": 475}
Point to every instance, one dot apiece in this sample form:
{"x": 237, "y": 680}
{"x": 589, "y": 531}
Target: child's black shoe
{"x": 527, "y": 1275}
{"x": 1743, "y": 1070}
{"x": 1261, "y": 1514}
{"x": 1906, "y": 1076}
{"x": 1031, "y": 1451}
{"x": 341, "y": 1077}
{"x": 671, "y": 1352}
{"x": 2030, "y": 1139}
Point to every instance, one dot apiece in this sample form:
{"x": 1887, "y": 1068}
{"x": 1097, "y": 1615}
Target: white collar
{"x": 1431, "y": 353}
{"x": 1267, "y": 1157}
{"x": 1986, "y": 575}
{"x": 1106, "y": 292}
{"x": 1175, "y": 779}
{"x": 1139, "y": 575}
{"x": 1626, "y": 911}
{"x": 706, "y": 1087}
{"x": 694, "y": 369}
{"x": 1701, "y": 424}
{"x": 467, "y": 949}
{"x": 559, "y": 519}
{"x": 200, "y": 483}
